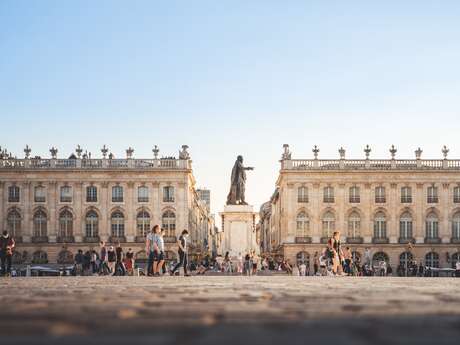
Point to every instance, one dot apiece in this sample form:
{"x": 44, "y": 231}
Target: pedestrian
{"x": 227, "y": 263}
{"x": 254, "y": 260}
{"x": 160, "y": 252}
{"x": 247, "y": 265}
{"x": 79, "y": 263}
{"x": 119, "y": 266}
{"x": 7, "y": 245}
{"x": 303, "y": 269}
{"x": 93, "y": 262}
{"x": 315, "y": 263}
{"x": 87, "y": 263}
{"x": 347, "y": 257}
{"x": 150, "y": 249}
{"x": 182, "y": 250}
{"x": 129, "y": 262}
{"x": 103, "y": 267}
{"x": 111, "y": 259}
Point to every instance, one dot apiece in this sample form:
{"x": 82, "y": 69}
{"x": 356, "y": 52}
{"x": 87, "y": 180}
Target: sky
{"x": 229, "y": 78}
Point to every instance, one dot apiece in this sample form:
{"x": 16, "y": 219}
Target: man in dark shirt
{"x": 79, "y": 262}
{"x": 182, "y": 244}
{"x": 6, "y": 252}
{"x": 119, "y": 263}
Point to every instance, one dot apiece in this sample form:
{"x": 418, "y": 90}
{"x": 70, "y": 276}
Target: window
{"x": 432, "y": 195}
{"x": 457, "y": 195}
{"x": 13, "y": 194}
{"x": 380, "y": 225}
{"x": 66, "y": 194}
{"x": 303, "y": 225}
{"x": 143, "y": 194}
{"x": 432, "y": 226}
{"x": 328, "y": 194}
{"x": 432, "y": 260}
{"x": 380, "y": 197}
{"x": 405, "y": 226}
{"x": 406, "y": 195}
{"x": 328, "y": 224}
{"x": 91, "y": 194}
{"x": 302, "y": 194}
{"x": 39, "y": 194}
{"x": 118, "y": 224}
{"x": 379, "y": 257}
{"x": 143, "y": 223}
{"x": 40, "y": 257}
{"x": 405, "y": 261}
{"x": 169, "y": 223}
{"x": 354, "y": 196}
{"x": 354, "y": 225}
{"x": 40, "y": 224}
{"x": 13, "y": 221}
{"x": 65, "y": 224}
{"x": 92, "y": 224}
{"x": 168, "y": 194}
{"x": 303, "y": 258}
{"x": 117, "y": 194}
{"x": 456, "y": 226}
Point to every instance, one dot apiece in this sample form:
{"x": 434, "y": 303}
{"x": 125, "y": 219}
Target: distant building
{"x": 205, "y": 195}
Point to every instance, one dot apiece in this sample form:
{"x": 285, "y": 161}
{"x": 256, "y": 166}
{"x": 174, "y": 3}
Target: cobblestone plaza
{"x": 229, "y": 310}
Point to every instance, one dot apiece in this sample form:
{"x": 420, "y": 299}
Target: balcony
{"x": 406, "y": 240}
{"x": 65, "y": 239}
{"x": 39, "y": 239}
{"x": 455, "y": 240}
{"x": 170, "y": 239}
{"x": 91, "y": 239}
{"x": 432, "y": 200}
{"x": 116, "y": 239}
{"x": 355, "y": 240}
{"x": 380, "y": 240}
{"x": 432, "y": 240}
{"x": 302, "y": 239}
{"x": 354, "y": 200}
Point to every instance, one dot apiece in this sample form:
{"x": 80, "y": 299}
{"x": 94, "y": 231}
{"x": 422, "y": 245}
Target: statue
{"x": 238, "y": 183}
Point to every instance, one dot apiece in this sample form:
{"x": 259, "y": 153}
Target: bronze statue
{"x": 238, "y": 183}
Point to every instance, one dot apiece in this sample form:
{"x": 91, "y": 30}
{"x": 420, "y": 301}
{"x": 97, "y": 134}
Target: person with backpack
{"x": 182, "y": 250}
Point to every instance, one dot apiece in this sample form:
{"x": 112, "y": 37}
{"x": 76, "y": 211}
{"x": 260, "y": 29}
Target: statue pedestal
{"x": 239, "y": 230}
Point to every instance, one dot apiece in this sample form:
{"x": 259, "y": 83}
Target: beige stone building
{"x": 53, "y": 207}
{"x": 382, "y": 204}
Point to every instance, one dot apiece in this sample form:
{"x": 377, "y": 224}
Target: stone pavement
{"x": 229, "y": 310}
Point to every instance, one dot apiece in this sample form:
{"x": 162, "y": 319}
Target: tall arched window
{"x": 380, "y": 225}
{"x": 302, "y": 194}
{"x": 168, "y": 221}
{"x": 456, "y": 226}
{"x": 143, "y": 223}
{"x": 456, "y": 195}
{"x": 380, "y": 195}
{"x": 432, "y": 260}
{"x": 432, "y": 226}
{"x": 14, "y": 223}
{"x": 354, "y": 196}
{"x": 328, "y": 194}
{"x": 378, "y": 257}
{"x": 303, "y": 225}
{"x": 406, "y": 195}
{"x": 118, "y": 224}
{"x": 432, "y": 194}
{"x": 92, "y": 224}
{"x": 40, "y": 224}
{"x": 65, "y": 224}
{"x": 328, "y": 224}
{"x": 405, "y": 226}
{"x": 354, "y": 225}
{"x": 405, "y": 259}
{"x": 39, "y": 194}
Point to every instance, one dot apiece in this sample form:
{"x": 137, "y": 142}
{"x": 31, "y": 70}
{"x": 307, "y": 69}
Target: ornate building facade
{"x": 401, "y": 209}
{"x": 53, "y": 207}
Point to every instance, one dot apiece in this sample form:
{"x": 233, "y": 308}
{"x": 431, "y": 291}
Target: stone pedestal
{"x": 239, "y": 231}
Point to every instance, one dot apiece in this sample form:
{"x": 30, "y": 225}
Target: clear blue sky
{"x": 231, "y": 77}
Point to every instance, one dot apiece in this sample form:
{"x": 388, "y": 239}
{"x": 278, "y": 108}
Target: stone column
{"x": 52, "y": 211}
{"x": 420, "y": 202}
{"x": 367, "y": 224}
{"x": 342, "y": 203}
{"x": 393, "y": 227}
{"x": 289, "y": 209}
{"x": 2, "y": 205}
{"x": 156, "y": 204}
{"x": 444, "y": 228}
{"x": 130, "y": 213}
{"x": 104, "y": 225}
{"x": 26, "y": 226}
{"x": 316, "y": 217}
{"x": 78, "y": 212}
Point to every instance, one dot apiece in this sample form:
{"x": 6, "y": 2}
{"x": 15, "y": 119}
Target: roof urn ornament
{"x": 367, "y": 151}
{"x": 27, "y": 151}
{"x": 78, "y": 150}
{"x": 393, "y": 151}
{"x": 104, "y": 151}
{"x": 184, "y": 154}
{"x": 445, "y": 151}
{"x": 342, "y": 153}
{"x": 286, "y": 153}
{"x": 129, "y": 152}
{"x": 155, "y": 151}
{"x": 315, "y": 151}
{"x": 53, "y": 152}
{"x": 418, "y": 153}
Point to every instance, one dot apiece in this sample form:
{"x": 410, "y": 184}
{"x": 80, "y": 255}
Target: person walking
{"x": 79, "y": 263}
{"x": 150, "y": 249}
{"x": 315, "y": 263}
{"x": 111, "y": 259}
{"x": 183, "y": 260}
{"x": 119, "y": 266}
{"x": 129, "y": 262}
{"x": 103, "y": 267}
{"x": 160, "y": 252}
{"x": 6, "y": 253}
